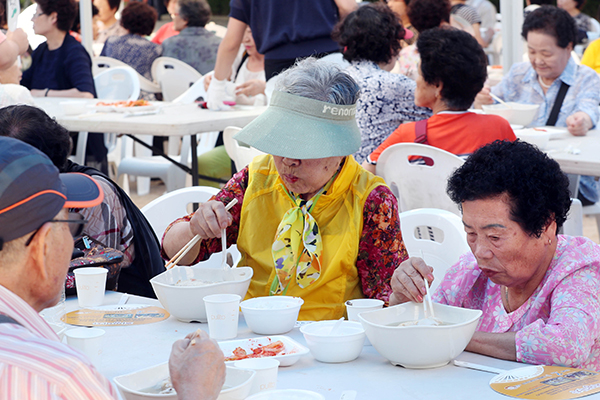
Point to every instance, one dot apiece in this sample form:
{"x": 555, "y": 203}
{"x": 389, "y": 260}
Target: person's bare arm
{"x": 61, "y": 93}
{"x": 499, "y": 345}
{"x": 345, "y": 7}
{"x": 14, "y": 45}
{"x": 477, "y": 33}
{"x": 229, "y": 48}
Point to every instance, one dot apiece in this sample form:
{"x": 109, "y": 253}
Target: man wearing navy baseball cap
{"x": 36, "y": 243}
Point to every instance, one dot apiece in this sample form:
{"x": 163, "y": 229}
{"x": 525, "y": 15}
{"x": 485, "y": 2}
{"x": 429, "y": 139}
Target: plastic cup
{"x": 266, "y": 373}
{"x": 222, "y": 312}
{"x": 90, "y": 283}
{"x": 88, "y": 341}
{"x": 356, "y": 306}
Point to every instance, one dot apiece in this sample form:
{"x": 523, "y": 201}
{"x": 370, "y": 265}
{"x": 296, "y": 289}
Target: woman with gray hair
{"x": 194, "y": 45}
{"x": 309, "y": 220}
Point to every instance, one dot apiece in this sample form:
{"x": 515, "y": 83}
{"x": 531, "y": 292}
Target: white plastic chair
{"x": 100, "y": 64}
{"x": 173, "y": 76}
{"x": 117, "y": 83}
{"x": 159, "y": 167}
{"x": 436, "y": 235}
{"x": 336, "y": 58}
{"x": 418, "y": 185}
{"x": 573, "y": 226}
{"x": 240, "y": 154}
{"x": 167, "y": 208}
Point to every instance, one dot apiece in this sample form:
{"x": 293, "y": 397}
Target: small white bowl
{"x": 286, "y": 394}
{"x": 420, "y": 346}
{"x": 186, "y": 302}
{"x": 271, "y": 315}
{"x": 134, "y": 386}
{"x": 539, "y": 138}
{"x": 344, "y": 345}
{"x": 518, "y": 114}
{"x": 73, "y": 107}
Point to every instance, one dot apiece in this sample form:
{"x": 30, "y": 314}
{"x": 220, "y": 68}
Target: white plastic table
{"x": 577, "y": 154}
{"x": 172, "y": 120}
{"x": 131, "y": 348}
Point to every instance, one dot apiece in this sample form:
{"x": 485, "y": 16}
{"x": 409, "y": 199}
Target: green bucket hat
{"x": 298, "y": 127}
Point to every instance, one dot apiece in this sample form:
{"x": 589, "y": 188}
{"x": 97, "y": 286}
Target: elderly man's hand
{"x": 579, "y": 123}
{"x": 197, "y": 367}
{"x": 408, "y": 282}
{"x": 210, "y": 219}
{"x": 483, "y": 97}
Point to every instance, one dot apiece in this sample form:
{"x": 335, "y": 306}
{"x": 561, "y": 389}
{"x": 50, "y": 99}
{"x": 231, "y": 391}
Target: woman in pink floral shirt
{"x": 539, "y": 291}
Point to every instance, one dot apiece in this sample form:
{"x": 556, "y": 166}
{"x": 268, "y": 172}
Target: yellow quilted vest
{"x": 339, "y": 214}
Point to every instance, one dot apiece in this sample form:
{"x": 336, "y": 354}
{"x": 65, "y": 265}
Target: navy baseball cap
{"x": 32, "y": 191}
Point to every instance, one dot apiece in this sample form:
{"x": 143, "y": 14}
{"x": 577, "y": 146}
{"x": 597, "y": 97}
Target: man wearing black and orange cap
{"x": 36, "y": 243}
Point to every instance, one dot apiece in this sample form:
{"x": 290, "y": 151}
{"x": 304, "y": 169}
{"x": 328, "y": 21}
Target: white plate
{"x": 292, "y": 349}
{"x": 555, "y": 133}
{"x": 117, "y": 109}
{"x": 516, "y": 127}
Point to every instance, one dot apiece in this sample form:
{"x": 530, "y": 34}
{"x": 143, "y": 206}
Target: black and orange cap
{"x": 32, "y": 191}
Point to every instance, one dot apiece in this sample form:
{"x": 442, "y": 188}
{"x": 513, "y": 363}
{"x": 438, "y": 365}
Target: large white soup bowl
{"x": 420, "y": 346}
{"x": 517, "y": 114}
{"x": 186, "y": 302}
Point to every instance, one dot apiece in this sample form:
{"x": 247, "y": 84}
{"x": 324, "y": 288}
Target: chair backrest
{"x": 573, "y": 226}
{"x": 102, "y": 63}
{"x": 167, "y": 208}
{"x": 240, "y": 154}
{"x": 118, "y": 83}
{"x": 336, "y": 58}
{"x": 436, "y": 235}
{"x": 173, "y": 76}
{"x": 418, "y": 185}
{"x": 192, "y": 93}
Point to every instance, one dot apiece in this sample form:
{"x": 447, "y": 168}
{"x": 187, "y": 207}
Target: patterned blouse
{"x": 194, "y": 46}
{"x": 386, "y": 101}
{"x": 381, "y": 248}
{"x": 134, "y": 50}
{"x": 559, "y": 324}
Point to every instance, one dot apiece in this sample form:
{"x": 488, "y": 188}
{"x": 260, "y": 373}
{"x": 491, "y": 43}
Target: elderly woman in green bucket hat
{"x": 310, "y": 221}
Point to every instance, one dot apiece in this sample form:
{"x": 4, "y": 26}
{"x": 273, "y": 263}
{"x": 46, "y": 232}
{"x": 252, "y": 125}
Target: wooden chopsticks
{"x": 181, "y": 253}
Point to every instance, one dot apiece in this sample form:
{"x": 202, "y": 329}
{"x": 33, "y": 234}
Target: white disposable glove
{"x": 216, "y": 95}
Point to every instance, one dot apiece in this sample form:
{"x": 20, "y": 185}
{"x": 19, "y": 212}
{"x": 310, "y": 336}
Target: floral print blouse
{"x": 386, "y": 101}
{"x": 381, "y": 248}
{"x": 559, "y": 324}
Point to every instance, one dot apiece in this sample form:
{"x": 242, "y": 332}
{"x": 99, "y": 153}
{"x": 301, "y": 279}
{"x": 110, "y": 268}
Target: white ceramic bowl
{"x": 538, "y": 138}
{"x": 343, "y": 346}
{"x": 238, "y": 383}
{"x": 186, "y": 302}
{"x": 518, "y": 114}
{"x": 73, "y": 107}
{"x": 420, "y": 346}
{"x": 286, "y": 394}
{"x": 271, "y": 315}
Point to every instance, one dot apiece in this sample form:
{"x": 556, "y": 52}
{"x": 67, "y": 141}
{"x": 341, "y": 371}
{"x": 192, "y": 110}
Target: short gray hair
{"x": 319, "y": 80}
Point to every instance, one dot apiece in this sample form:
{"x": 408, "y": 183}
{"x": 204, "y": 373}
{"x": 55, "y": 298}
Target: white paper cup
{"x": 90, "y": 283}
{"x": 222, "y": 312}
{"x": 356, "y": 306}
{"x": 266, "y": 373}
{"x": 88, "y": 341}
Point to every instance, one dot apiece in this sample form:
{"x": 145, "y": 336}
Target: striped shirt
{"x": 35, "y": 365}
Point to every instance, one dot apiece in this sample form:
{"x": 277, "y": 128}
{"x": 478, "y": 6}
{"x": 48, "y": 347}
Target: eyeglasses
{"x": 76, "y": 225}
{"x": 37, "y": 15}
